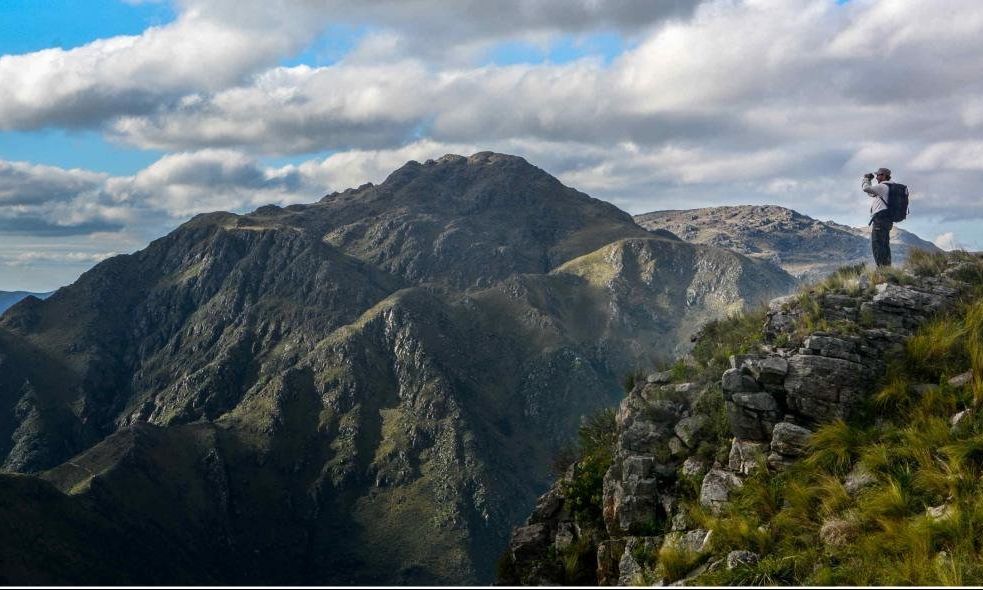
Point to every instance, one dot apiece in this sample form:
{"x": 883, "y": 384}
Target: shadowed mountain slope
{"x": 360, "y": 390}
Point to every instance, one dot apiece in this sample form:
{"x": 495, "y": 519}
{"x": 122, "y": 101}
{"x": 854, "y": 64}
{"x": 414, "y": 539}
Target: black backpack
{"x": 897, "y": 201}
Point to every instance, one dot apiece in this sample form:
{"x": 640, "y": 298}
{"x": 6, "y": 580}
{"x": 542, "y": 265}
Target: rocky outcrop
{"x": 807, "y": 248}
{"x": 773, "y": 397}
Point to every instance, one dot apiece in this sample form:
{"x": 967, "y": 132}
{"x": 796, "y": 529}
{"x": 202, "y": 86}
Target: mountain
{"x": 366, "y": 389}
{"x": 830, "y": 440}
{"x": 9, "y": 298}
{"x": 804, "y": 247}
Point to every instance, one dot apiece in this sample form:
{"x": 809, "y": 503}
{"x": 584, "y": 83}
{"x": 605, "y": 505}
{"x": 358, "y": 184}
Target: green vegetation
{"x": 918, "y": 518}
{"x": 719, "y": 339}
{"x": 584, "y": 491}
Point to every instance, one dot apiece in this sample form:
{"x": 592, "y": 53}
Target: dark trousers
{"x": 880, "y": 238}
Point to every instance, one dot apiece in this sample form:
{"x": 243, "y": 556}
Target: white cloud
{"x": 205, "y": 49}
{"x": 74, "y": 258}
{"x": 724, "y": 101}
{"x": 947, "y": 241}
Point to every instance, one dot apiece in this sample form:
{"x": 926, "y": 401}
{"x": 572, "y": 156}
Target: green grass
{"x": 883, "y": 533}
{"x": 585, "y": 490}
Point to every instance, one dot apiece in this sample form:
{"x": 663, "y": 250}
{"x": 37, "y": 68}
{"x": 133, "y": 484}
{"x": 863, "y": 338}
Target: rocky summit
{"x": 805, "y": 247}
{"x": 826, "y": 440}
{"x": 367, "y": 389}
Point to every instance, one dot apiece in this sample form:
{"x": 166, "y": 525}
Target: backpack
{"x": 897, "y": 201}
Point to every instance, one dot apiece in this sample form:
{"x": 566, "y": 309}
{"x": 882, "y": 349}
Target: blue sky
{"x": 119, "y": 120}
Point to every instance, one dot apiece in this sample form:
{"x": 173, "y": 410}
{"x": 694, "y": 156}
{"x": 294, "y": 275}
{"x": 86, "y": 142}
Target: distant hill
{"x": 804, "y": 247}
{"x": 9, "y": 298}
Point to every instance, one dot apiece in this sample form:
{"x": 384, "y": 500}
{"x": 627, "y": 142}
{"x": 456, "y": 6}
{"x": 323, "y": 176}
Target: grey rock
{"x": 677, "y": 447}
{"x": 745, "y": 455}
{"x": 907, "y": 297}
{"x": 961, "y": 379}
{"x": 529, "y": 542}
{"x": 693, "y": 541}
{"x": 759, "y": 402}
{"x": 823, "y": 388}
{"x": 770, "y": 370}
{"x": 565, "y": 535}
{"x": 630, "y": 567}
{"x": 645, "y": 436}
{"x": 790, "y": 439}
{"x": 741, "y": 558}
{"x": 630, "y": 494}
{"x": 689, "y": 429}
{"x": 608, "y": 560}
{"x": 716, "y": 489}
{"x": 833, "y": 347}
{"x": 778, "y": 461}
{"x": 960, "y": 418}
{"x": 737, "y": 361}
{"x": 749, "y": 424}
{"x": 660, "y": 378}
{"x": 694, "y": 467}
{"x": 734, "y": 380}
{"x": 778, "y": 303}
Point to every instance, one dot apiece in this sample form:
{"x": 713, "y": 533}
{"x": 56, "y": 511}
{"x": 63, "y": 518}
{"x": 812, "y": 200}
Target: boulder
{"x": 737, "y": 361}
{"x": 745, "y": 455}
{"x": 737, "y": 559}
{"x": 529, "y": 542}
{"x": 961, "y": 379}
{"x": 693, "y": 541}
{"x": 644, "y": 436}
{"x": 639, "y": 552}
{"x": 716, "y": 489}
{"x": 608, "y": 560}
{"x": 752, "y": 415}
{"x": 770, "y": 370}
{"x": 734, "y": 380}
{"x": 566, "y": 534}
{"x": 694, "y": 467}
{"x": 660, "y": 378}
{"x": 790, "y": 439}
{"x": 689, "y": 429}
{"x": 630, "y": 495}
{"x": 824, "y": 388}
{"x": 778, "y": 461}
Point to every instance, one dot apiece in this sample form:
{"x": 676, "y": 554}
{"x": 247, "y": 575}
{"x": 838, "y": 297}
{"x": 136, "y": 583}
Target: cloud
{"x": 715, "y": 102}
{"x": 209, "y": 47}
{"x": 74, "y": 258}
{"x": 947, "y": 241}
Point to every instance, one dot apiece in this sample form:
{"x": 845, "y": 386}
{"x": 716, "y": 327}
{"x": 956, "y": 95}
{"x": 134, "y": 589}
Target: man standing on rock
{"x": 880, "y": 216}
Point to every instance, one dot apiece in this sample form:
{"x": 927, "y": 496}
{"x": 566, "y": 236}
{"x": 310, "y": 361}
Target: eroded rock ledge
{"x": 773, "y": 398}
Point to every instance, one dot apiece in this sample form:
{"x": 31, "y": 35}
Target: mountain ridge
{"x": 377, "y": 379}
{"x": 805, "y": 247}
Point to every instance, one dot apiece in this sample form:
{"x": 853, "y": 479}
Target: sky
{"x": 121, "y": 119}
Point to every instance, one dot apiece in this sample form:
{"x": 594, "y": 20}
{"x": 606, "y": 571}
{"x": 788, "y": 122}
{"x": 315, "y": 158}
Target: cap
{"x": 884, "y": 171}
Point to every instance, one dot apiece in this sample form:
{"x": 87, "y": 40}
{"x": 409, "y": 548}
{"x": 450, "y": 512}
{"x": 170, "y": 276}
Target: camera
{"x": 869, "y": 175}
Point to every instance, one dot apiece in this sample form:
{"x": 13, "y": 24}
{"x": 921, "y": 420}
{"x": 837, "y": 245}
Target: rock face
{"x": 772, "y": 397}
{"x": 363, "y": 390}
{"x": 806, "y": 248}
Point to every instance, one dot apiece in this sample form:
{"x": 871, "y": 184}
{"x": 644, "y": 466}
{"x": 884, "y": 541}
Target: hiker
{"x": 883, "y": 213}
